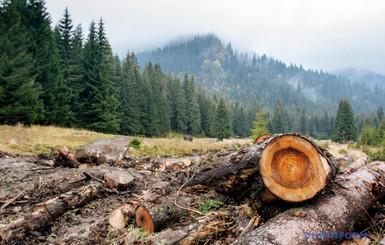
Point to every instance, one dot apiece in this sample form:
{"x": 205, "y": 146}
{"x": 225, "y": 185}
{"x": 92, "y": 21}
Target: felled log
{"x": 121, "y": 216}
{"x": 154, "y": 216}
{"x": 328, "y": 216}
{"x": 292, "y": 167}
{"x": 67, "y": 157}
{"x": 42, "y": 214}
{"x": 121, "y": 180}
{"x": 262, "y": 137}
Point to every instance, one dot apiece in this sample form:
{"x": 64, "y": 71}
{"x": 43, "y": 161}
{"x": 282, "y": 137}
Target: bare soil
{"x": 87, "y": 224}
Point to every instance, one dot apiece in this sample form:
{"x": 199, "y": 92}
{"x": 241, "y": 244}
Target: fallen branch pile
{"x": 287, "y": 178}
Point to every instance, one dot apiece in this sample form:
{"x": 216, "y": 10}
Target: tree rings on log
{"x": 262, "y": 137}
{"x": 293, "y": 169}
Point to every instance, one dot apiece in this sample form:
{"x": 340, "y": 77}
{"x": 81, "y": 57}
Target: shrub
{"x": 135, "y": 143}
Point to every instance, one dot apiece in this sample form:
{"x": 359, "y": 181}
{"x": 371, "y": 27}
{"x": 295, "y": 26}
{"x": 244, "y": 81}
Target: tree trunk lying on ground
{"x": 292, "y": 167}
{"x": 330, "y": 215}
{"x": 42, "y": 214}
{"x": 67, "y": 158}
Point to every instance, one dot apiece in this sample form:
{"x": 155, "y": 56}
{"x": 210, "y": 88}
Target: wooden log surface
{"x": 287, "y": 157}
{"x": 67, "y": 157}
{"x": 330, "y": 213}
{"x": 42, "y": 214}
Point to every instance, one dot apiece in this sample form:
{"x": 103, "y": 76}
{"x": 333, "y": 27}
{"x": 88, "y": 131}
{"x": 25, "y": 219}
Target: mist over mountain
{"x": 369, "y": 78}
{"x": 253, "y": 78}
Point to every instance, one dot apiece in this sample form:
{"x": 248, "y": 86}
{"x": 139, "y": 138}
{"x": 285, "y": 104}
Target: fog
{"x": 327, "y": 35}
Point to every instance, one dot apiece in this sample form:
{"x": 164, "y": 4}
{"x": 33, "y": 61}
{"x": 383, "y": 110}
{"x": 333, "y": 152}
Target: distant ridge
{"x": 252, "y": 78}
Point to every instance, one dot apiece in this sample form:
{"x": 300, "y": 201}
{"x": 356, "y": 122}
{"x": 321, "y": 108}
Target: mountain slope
{"x": 369, "y": 78}
{"x": 260, "y": 79}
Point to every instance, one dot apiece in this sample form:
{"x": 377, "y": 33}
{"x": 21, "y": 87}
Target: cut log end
{"x": 144, "y": 219}
{"x": 262, "y": 137}
{"x": 292, "y": 168}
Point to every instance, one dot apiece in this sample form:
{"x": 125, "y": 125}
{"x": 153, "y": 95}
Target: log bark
{"x": 121, "y": 216}
{"x": 329, "y": 214}
{"x": 262, "y": 137}
{"x": 153, "y": 217}
{"x": 68, "y": 157}
{"x": 121, "y": 180}
{"x": 42, "y": 214}
{"x": 292, "y": 167}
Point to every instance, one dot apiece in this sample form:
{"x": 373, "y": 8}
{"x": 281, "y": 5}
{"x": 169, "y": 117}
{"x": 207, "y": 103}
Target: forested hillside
{"x": 245, "y": 77}
{"x": 60, "y": 76}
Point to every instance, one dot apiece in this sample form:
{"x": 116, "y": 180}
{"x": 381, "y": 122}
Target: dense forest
{"x": 245, "y": 77}
{"x": 59, "y": 76}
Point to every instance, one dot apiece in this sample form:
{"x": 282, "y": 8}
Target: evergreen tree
{"x": 129, "y": 105}
{"x": 221, "y": 126}
{"x": 303, "y": 122}
{"x": 178, "y": 105}
{"x": 260, "y": 124}
{"x": 19, "y": 92}
{"x": 46, "y": 63}
{"x": 297, "y": 122}
{"x": 99, "y": 94}
{"x": 192, "y": 107}
{"x": 70, "y": 44}
{"x": 345, "y": 128}
{"x": 240, "y": 124}
{"x": 207, "y": 110}
{"x": 279, "y": 122}
{"x": 380, "y": 113}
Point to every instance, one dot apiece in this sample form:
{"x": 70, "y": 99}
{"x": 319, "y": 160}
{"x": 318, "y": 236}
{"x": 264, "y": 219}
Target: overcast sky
{"x": 318, "y": 34}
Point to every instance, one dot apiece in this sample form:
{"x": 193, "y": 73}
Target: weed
{"x": 208, "y": 205}
{"x": 343, "y": 152}
{"x": 135, "y": 143}
{"x": 326, "y": 146}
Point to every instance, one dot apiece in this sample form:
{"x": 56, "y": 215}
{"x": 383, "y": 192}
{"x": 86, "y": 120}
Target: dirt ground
{"x": 39, "y": 182}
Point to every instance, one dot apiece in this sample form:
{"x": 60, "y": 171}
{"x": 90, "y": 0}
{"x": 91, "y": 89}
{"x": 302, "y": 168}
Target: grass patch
{"x": 37, "y": 139}
{"x": 343, "y": 152}
{"x": 164, "y": 147}
{"x": 135, "y": 143}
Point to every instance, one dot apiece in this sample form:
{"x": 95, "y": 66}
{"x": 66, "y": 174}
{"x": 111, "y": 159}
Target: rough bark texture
{"x": 239, "y": 172}
{"x": 121, "y": 180}
{"x": 153, "y": 217}
{"x": 68, "y": 157}
{"x": 335, "y": 211}
{"x": 43, "y": 213}
{"x": 121, "y": 216}
{"x": 262, "y": 137}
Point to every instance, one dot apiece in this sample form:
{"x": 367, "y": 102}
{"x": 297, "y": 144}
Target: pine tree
{"x": 260, "y": 124}
{"x": 70, "y": 44}
{"x": 192, "y": 107}
{"x": 178, "y": 105}
{"x": 46, "y": 63}
{"x": 297, "y": 122}
{"x": 99, "y": 94}
{"x": 129, "y": 105}
{"x": 207, "y": 109}
{"x": 221, "y": 126}
{"x": 279, "y": 122}
{"x": 19, "y": 92}
{"x": 345, "y": 128}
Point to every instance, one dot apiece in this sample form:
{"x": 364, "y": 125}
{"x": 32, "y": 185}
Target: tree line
{"x": 55, "y": 77}
{"x": 59, "y": 77}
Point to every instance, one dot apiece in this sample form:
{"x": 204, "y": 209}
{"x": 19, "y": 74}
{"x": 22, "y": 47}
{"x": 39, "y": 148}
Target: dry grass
{"x": 40, "y": 139}
{"x": 162, "y": 147}
{"x": 340, "y": 150}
